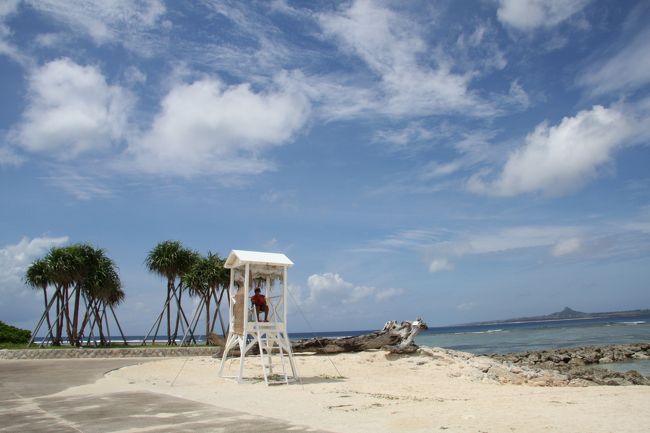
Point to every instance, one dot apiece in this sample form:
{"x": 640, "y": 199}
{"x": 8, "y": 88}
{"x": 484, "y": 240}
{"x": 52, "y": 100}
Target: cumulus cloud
{"x": 14, "y": 260}
{"x": 561, "y": 158}
{"x": 566, "y": 246}
{"x": 330, "y": 288}
{"x": 391, "y": 47}
{"x": 71, "y": 109}
{"x": 532, "y": 14}
{"x": 208, "y": 127}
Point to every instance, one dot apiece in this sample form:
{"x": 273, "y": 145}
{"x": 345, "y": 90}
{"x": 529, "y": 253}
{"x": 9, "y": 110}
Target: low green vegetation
{"x": 12, "y": 335}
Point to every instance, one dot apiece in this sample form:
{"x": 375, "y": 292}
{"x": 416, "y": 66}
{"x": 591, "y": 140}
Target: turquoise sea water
{"x": 520, "y": 337}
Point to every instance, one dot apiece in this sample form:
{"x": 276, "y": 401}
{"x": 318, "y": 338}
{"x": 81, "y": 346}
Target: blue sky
{"x": 454, "y": 160}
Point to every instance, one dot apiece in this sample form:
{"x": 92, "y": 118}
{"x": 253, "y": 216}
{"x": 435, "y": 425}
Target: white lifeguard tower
{"x": 251, "y": 269}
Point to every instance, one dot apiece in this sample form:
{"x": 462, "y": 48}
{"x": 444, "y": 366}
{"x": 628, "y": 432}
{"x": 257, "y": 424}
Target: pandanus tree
{"x": 64, "y": 266}
{"x": 208, "y": 279}
{"x": 79, "y": 273}
{"x": 37, "y": 276}
{"x": 102, "y": 288}
{"x": 171, "y": 260}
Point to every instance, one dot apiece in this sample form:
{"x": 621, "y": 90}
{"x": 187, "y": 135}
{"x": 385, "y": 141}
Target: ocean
{"x": 528, "y": 336}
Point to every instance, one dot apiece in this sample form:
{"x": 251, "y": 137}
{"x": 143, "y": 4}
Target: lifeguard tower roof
{"x": 237, "y": 258}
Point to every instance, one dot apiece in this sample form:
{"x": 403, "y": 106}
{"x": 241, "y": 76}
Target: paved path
{"x": 27, "y": 404}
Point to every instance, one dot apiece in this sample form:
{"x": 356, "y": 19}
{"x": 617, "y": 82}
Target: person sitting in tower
{"x": 259, "y": 301}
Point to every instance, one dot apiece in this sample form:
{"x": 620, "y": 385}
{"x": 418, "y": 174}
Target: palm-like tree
{"x": 171, "y": 260}
{"x": 204, "y": 280}
{"x": 93, "y": 278}
{"x": 102, "y": 287}
{"x": 64, "y": 266}
{"x": 38, "y": 277}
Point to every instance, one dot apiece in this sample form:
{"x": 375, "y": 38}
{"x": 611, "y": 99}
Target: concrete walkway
{"x": 27, "y": 404}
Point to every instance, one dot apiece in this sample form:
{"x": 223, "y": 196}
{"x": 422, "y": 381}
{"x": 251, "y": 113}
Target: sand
{"x": 436, "y": 390}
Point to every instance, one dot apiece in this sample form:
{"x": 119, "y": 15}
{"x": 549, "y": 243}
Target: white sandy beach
{"x": 435, "y": 391}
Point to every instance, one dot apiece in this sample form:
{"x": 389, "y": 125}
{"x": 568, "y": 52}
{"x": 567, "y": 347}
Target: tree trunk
{"x": 178, "y": 310}
{"x": 394, "y": 337}
{"x": 100, "y": 328}
{"x": 75, "y": 318}
{"x": 86, "y": 320}
{"x": 59, "y": 317}
{"x": 66, "y": 308}
{"x": 207, "y": 317}
{"x": 47, "y": 312}
{"x": 170, "y": 285}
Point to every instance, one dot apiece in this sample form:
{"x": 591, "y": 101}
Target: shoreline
{"x": 375, "y": 391}
{"x": 580, "y": 362}
{"x": 575, "y": 366}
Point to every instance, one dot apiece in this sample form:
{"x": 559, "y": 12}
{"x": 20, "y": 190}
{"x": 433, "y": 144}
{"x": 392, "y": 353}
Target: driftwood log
{"x": 394, "y": 337}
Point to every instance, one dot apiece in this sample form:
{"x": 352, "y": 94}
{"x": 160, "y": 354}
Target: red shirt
{"x": 259, "y": 299}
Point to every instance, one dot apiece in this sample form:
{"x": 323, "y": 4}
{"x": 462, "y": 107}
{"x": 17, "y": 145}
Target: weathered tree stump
{"x": 394, "y": 337}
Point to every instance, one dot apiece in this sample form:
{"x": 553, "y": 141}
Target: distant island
{"x": 569, "y": 313}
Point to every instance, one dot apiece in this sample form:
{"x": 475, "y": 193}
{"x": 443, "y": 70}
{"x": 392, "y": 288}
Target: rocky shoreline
{"x": 579, "y": 363}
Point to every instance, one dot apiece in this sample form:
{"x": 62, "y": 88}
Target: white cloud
{"x": 480, "y": 49}
{"x": 134, "y": 75}
{"x": 435, "y": 169}
{"x": 509, "y": 239}
{"x": 558, "y": 159}
{"x": 50, "y": 40}
{"x": 105, "y": 21}
{"x": 331, "y": 289}
{"x": 71, "y": 109}
{"x": 410, "y": 239}
{"x": 627, "y": 70}
{"x": 566, "y": 246}
{"x": 437, "y": 247}
{"x": 207, "y": 127}
{"x": 7, "y": 9}
{"x": 406, "y": 137}
{"x": 80, "y": 186}
{"x": 383, "y": 294}
{"x": 439, "y": 265}
{"x": 532, "y": 14}
{"x": 14, "y": 260}
{"x": 391, "y": 47}
{"x": 517, "y": 95}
